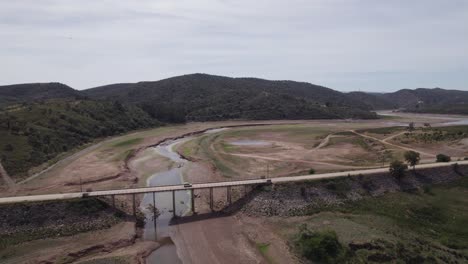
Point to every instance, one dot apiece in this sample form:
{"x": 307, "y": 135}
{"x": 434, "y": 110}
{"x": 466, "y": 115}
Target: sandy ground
{"x": 229, "y": 239}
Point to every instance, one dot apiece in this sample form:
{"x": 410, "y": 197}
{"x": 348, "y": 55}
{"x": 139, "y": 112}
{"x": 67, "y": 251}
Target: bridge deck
{"x": 170, "y": 188}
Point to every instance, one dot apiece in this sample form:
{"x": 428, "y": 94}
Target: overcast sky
{"x": 366, "y": 45}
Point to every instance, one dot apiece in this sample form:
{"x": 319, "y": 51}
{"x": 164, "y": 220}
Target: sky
{"x": 347, "y": 45}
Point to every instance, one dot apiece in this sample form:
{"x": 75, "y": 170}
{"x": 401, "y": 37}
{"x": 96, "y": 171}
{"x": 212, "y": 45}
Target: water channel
{"x": 167, "y": 253}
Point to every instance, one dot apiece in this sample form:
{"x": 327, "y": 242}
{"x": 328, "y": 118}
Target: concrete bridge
{"x": 198, "y": 186}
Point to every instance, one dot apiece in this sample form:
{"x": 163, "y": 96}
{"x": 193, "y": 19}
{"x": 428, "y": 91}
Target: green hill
{"x": 422, "y": 100}
{"x": 19, "y": 93}
{"x": 375, "y": 101}
{"x": 204, "y": 97}
{"x": 33, "y": 133}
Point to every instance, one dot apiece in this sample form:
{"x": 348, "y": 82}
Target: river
{"x": 167, "y": 253}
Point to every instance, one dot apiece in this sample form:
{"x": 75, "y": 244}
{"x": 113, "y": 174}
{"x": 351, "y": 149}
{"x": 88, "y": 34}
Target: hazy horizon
{"x": 372, "y": 46}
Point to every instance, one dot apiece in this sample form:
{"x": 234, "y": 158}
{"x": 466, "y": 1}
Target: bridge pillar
{"x": 173, "y": 204}
{"x": 155, "y": 217}
{"x": 193, "y": 201}
{"x": 228, "y": 189}
{"x": 134, "y": 205}
{"x": 211, "y": 199}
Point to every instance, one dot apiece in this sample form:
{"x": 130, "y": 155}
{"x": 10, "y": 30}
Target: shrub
{"x": 322, "y": 247}
{"x": 397, "y": 169}
{"x": 412, "y": 157}
{"x": 311, "y": 171}
{"x": 442, "y": 158}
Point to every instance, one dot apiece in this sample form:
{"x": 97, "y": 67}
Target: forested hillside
{"x": 202, "y": 97}
{"x": 33, "y": 133}
{"x": 374, "y": 100}
{"x": 421, "y": 100}
{"x": 19, "y": 93}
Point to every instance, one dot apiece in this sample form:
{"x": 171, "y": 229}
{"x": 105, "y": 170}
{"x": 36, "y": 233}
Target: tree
{"x": 442, "y": 158}
{"x": 397, "y": 169}
{"x": 411, "y": 126}
{"x": 412, "y": 157}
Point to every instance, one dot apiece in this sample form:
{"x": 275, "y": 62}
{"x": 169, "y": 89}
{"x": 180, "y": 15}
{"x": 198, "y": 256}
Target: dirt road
{"x": 384, "y": 141}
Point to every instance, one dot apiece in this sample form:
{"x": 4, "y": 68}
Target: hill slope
{"x": 373, "y": 100}
{"x": 421, "y": 100}
{"x": 206, "y": 97}
{"x": 435, "y": 100}
{"x": 19, "y": 93}
{"x": 34, "y": 133}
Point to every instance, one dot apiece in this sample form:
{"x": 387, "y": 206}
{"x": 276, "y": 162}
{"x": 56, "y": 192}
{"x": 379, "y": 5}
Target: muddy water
{"x": 167, "y": 253}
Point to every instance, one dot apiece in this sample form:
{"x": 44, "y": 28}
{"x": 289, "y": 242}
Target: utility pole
{"x": 268, "y": 170}
{"x": 81, "y": 185}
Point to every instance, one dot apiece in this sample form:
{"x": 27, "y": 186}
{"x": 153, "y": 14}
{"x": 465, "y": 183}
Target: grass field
{"x": 423, "y": 227}
{"x": 288, "y": 150}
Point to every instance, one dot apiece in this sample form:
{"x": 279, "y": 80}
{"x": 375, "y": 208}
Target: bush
{"x": 442, "y": 158}
{"x": 311, "y": 171}
{"x": 322, "y": 247}
{"x": 397, "y": 169}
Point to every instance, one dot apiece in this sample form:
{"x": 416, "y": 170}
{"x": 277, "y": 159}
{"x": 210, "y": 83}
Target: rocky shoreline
{"x": 295, "y": 199}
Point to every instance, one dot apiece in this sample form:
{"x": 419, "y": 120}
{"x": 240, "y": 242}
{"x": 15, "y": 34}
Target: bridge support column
{"x": 154, "y": 216}
{"x": 211, "y": 199}
{"x": 193, "y": 201}
{"x": 173, "y": 204}
{"x": 134, "y": 205}
{"x": 228, "y": 189}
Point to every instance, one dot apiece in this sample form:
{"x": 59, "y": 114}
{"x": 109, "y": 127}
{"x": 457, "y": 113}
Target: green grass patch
{"x": 263, "y": 248}
{"x": 128, "y": 142}
{"x": 382, "y": 130}
{"x": 440, "y": 214}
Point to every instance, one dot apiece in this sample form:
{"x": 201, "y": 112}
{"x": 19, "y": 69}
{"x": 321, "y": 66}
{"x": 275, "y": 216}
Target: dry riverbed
{"x": 126, "y": 161}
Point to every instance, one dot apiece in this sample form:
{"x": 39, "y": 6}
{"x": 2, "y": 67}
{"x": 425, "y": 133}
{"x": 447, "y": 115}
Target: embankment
{"x": 303, "y": 198}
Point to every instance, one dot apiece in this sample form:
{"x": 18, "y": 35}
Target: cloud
{"x": 347, "y": 45}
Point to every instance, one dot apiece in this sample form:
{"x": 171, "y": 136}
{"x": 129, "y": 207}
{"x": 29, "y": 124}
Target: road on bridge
{"x": 170, "y": 188}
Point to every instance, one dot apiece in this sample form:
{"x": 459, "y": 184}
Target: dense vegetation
{"x": 420, "y": 100}
{"x": 33, "y": 133}
{"x": 203, "y": 97}
{"x": 322, "y": 247}
{"x": 421, "y": 226}
{"x": 24, "y": 93}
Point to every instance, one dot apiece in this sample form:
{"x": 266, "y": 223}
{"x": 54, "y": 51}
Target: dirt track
{"x": 385, "y": 141}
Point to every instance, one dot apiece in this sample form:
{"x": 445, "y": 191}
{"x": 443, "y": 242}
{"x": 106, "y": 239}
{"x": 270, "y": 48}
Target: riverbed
{"x": 167, "y": 253}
